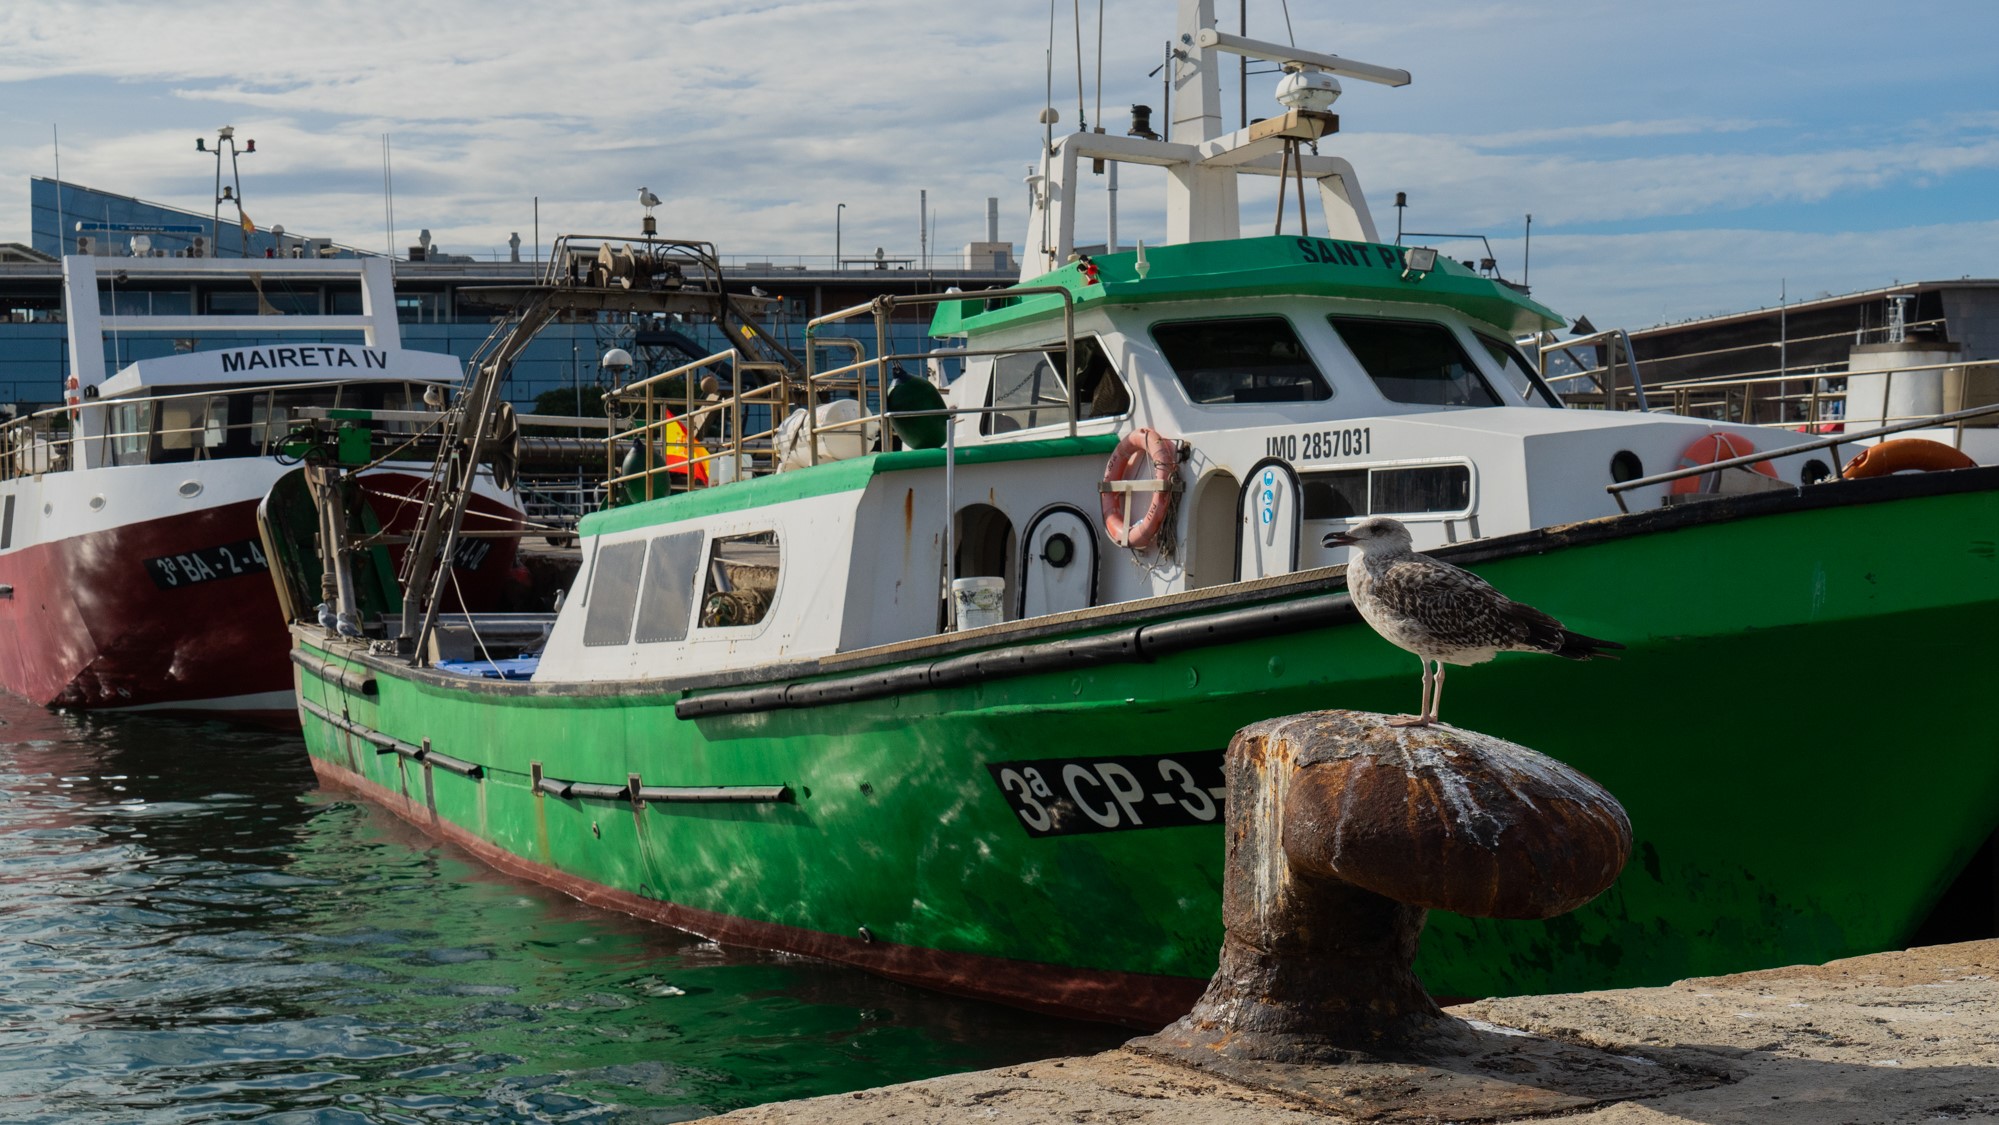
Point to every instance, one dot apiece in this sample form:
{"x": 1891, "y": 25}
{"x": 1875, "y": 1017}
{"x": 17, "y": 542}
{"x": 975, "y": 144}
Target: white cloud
{"x": 755, "y": 119}
{"x": 1637, "y": 280}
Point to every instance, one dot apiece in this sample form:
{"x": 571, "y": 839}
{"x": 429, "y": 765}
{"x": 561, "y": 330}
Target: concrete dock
{"x": 1894, "y": 1037}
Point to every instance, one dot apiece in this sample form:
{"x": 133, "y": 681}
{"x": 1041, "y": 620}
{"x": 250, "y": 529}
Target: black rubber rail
{"x": 1139, "y": 643}
{"x": 567, "y": 790}
{"x": 711, "y": 794}
{"x": 346, "y": 679}
{"x": 386, "y": 744}
{"x": 668, "y": 794}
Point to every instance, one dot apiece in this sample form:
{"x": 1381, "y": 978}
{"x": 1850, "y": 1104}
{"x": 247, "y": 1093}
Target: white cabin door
{"x": 1058, "y": 566}
{"x": 1268, "y": 521}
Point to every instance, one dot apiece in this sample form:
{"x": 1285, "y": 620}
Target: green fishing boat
{"x": 955, "y": 713}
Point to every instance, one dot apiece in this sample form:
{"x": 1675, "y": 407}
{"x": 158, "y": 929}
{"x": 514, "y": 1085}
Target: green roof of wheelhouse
{"x": 1256, "y": 267}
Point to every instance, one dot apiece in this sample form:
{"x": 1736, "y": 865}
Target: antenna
{"x": 1527, "y": 254}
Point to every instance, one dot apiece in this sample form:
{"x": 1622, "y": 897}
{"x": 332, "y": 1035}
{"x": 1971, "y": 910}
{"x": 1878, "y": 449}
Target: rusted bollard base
{"x": 1464, "y": 1073}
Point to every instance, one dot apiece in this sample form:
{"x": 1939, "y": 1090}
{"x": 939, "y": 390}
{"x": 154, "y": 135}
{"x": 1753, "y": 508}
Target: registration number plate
{"x": 207, "y": 564}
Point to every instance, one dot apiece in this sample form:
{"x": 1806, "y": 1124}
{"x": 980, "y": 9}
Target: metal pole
{"x": 836, "y": 235}
{"x": 236, "y": 174}
{"x": 1527, "y": 254}
{"x": 215, "y": 223}
{"x": 950, "y": 523}
{"x": 1110, "y": 206}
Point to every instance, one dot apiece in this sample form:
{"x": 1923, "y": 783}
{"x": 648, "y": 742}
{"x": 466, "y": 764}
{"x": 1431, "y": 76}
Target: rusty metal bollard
{"x": 1342, "y": 833}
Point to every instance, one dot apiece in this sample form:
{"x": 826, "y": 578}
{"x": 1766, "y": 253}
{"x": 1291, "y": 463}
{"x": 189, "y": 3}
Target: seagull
{"x": 1441, "y": 613}
{"x": 648, "y": 200}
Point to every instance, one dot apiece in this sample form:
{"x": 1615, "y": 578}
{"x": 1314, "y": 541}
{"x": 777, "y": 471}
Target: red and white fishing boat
{"x": 131, "y": 574}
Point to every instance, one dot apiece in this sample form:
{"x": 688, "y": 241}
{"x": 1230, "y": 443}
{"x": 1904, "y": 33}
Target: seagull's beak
{"x": 1339, "y": 539}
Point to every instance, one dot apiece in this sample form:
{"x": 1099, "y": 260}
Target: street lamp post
{"x": 836, "y": 235}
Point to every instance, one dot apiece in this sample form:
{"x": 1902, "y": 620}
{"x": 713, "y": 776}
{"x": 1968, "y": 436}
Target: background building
{"x": 437, "y": 295}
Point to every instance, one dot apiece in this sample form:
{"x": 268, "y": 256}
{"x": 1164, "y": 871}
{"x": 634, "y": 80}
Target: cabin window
{"x": 742, "y": 580}
{"x": 131, "y": 433}
{"x": 190, "y": 426}
{"x": 1030, "y": 389}
{"x": 1520, "y": 374}
{"x": 667, "y": 602}
{"x": 1246, "y": 360}
{"x": 1350, "y": 494}
{"x": 1415, "y": 361}
{"x": 613, "y": 592}
{"x": 1333, "y": 496}
{"x": 1420, "y": 488}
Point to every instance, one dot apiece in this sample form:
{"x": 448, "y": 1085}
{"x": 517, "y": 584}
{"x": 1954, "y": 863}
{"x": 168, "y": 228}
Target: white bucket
{"x": 979, "y": 601}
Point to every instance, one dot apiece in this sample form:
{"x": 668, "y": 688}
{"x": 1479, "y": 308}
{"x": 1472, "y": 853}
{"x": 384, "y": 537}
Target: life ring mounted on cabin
{"x": 1902, "y": 455}
{"x": 1708, "y": 450}
{"x": 1118, "y": 485}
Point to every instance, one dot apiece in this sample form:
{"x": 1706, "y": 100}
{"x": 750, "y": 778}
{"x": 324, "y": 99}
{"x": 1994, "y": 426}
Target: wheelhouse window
{"x": 1030, "y": 389}
{"x": 1245, "y": 360}
{"x": 1348, "y": 494}
{"x": 269, "y": 413}
{"x": 1415, "y": 361}
{"x": 667, "y": 602}
{"x": 613, "y": 593}
{"x": 191, "y": 427}
{"x": 742, "y": 580}
{"x": 1520, "y": 374}
{"x": 131, "y": 433}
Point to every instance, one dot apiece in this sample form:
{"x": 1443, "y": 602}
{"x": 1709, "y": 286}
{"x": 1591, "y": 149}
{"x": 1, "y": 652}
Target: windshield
{"x": 1246, "y": 360}
{"x": 1415, "y": 361}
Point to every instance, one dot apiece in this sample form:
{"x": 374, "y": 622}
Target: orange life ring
{"x": 1901, "y": 455}
{"x": 1708, "y": 450}
{"x": 1124, "y": 459}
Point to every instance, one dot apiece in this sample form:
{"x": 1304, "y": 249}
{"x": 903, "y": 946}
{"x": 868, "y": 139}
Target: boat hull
{"x": 172, "y": 613}
{"x": 1817, "y": 812}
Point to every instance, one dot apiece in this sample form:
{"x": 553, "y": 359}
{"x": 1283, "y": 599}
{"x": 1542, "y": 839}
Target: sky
{"x": 1679, "y": 159}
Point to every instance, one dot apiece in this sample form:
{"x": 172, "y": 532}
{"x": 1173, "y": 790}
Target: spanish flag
{"x": 682, "y": 448}
{"x": 248, "y": 226}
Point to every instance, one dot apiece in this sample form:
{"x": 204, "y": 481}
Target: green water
{"x": 190, "y": 931}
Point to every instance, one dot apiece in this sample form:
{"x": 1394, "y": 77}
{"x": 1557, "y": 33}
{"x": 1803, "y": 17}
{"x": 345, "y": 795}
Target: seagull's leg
{"x": 1422, "y": 717}
{"x": 1436, "y": 697}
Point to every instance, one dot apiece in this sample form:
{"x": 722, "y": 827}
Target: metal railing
{"x": 52, "y": 440}
{"x": 696, "y": 439}
{"x": 1955, "y": 417}
{"x": 1818, "y": 397}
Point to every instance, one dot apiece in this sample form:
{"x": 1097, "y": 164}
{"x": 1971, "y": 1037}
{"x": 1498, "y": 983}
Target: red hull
{"x": 87, "y": 626}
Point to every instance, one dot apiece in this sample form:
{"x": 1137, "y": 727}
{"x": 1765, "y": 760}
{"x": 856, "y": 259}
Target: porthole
{"x": 190, "y": 488}
{"x": 1059, "y": 551}
{"x": 1625, "y": 465}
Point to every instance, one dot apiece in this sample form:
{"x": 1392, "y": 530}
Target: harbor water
{"x": 191, "y": 931}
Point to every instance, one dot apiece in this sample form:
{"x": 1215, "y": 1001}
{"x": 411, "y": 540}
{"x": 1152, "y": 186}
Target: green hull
{"x": 1790, "y": 730}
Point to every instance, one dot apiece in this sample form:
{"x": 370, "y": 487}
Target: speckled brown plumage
{"x": 1441, "y": 613}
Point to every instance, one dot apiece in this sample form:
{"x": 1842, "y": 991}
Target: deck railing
{"x": 694, "y": 438}
{"x": 51, "y": 440}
